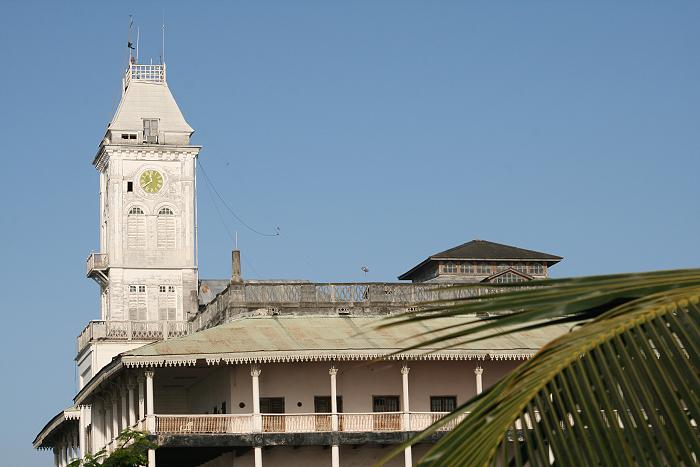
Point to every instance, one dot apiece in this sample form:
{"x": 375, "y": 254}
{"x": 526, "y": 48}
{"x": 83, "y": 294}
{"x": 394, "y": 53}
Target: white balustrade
{"x": 204, "y": 423}
{"x": 376, "y": 421}
{"x": 131, "y": 330}
{"x": 299, "y": 422}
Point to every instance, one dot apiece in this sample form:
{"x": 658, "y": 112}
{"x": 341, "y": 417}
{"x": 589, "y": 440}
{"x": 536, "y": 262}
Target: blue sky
{"x": 371, "y": 132}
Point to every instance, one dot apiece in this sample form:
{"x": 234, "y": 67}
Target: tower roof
{"x": 480, "y": 250}
{"x": 146, "y": 95}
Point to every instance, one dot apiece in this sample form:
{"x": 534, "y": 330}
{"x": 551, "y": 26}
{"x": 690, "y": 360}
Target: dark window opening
{"x": 129, "y": 187}
{"x": 443, "y": 403}
{"x": 272, "y": 405}
{"x": 125, "y": 136}
{"x": 386, "y": 421}
{"x": 385, "y": 403}
{"x": 132, "y": 136}
{"x": 223, "y": 407}
{"x": 322, "y": 404}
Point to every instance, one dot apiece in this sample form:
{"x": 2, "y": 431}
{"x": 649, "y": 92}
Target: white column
{"x": 335, "y": 449}
{"x": 478, "y": 371}
{"x": 258, "y": 456}
{"x": 81, "y": 432}
{"x": 108, "y": 422}
{"x": 142, "y": 400}
{"x": 333, "y": 371}
{"x": 132, "y": 405}
{"x": 407, "y": 454}
{"x": 257, "y": 419}
{"x": 125, "y": 408}
{"x": 98, "y": 427}
{"x": 150, "y": 421}
{"x": 115, "y": 415}
{"x": 255, "y": 377}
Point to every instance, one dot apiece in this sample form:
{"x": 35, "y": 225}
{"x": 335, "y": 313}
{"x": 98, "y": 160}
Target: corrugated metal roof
{"x": 295, "y": 338}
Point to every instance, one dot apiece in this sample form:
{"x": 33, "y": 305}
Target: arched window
{"x": 136, "y": 229}
{"x": 508, "y": 278}
{"x": 166, "y": 229}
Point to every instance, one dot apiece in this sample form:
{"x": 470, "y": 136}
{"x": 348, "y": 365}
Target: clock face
{"x": 151, "y": 181}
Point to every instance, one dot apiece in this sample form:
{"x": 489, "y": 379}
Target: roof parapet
{"x": 144, "y": 73}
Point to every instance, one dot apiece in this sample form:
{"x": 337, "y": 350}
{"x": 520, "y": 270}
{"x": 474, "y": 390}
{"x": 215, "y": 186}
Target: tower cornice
{"x": 145, "y": 151}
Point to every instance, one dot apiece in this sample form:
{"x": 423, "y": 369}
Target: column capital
{"x": 478, "y": 370}
{"x": 149, "y": 373}
{"x": 405, "y": 369}
{"x": 139, "y": 379}
{"x": 255, "y": 370}
{"x": 333, "y": 371}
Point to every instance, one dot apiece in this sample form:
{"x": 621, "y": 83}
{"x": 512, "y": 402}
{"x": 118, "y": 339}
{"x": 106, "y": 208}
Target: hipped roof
{"x": 480, "y": 250}
{"x": 149, "y": 100}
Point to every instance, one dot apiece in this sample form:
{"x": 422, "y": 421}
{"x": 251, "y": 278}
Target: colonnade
{"x": 255, "y": 372}
{"x": 132, "y": 400}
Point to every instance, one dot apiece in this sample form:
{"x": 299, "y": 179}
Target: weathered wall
{"x": 210, "y": 392}
{"x": 357, "y": 382}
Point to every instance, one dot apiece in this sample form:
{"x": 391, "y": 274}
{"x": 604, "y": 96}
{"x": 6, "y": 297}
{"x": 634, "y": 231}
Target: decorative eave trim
{"x": 54, "y": 425}
{"x": 298, "y": 357}
{"x": 103, "y": 375}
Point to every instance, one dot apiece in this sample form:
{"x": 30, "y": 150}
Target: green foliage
{"x": 132, "y": 451}
{"x": 622, "y": 388}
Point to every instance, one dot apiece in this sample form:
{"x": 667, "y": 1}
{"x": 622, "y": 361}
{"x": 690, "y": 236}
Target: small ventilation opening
{"x": 129, "y": 187}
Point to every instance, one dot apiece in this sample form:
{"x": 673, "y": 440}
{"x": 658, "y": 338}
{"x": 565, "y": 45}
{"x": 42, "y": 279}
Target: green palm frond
{"x": 622, "y": 388}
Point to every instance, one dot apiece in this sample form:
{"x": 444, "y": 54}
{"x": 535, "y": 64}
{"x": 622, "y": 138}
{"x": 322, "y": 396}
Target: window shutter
{"x": 137, "y": 303}
{"x": 166, "y": 234}
{"x": 136, "y": 229}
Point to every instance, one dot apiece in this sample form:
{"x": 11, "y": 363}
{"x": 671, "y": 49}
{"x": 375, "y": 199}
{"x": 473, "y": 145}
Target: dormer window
{"x": 150, "y": 130}
{"x": 128, "y": 135}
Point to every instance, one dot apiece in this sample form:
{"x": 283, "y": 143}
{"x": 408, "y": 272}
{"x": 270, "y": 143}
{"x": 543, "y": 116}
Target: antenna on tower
{"x": 138, "y": 31}
{"x": 162, "y": 44}
{"x": 129, "y": 45}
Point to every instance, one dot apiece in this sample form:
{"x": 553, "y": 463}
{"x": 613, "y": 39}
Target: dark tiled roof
{"x": 482, "y": 249}
{"x": 485, "y": 250}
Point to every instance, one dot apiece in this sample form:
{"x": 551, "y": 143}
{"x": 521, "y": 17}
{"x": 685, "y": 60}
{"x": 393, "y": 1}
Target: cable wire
{"x": 211, "y": 184}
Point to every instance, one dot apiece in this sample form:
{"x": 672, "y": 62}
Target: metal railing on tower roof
{"x": 144, "y": 73}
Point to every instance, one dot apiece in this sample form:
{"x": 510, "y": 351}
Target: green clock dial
{"x": 151, "y": 181}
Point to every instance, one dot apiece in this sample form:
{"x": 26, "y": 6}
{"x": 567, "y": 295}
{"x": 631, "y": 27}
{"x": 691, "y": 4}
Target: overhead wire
{"x": 223, "y": 201}
{"x": 226, "y": 227}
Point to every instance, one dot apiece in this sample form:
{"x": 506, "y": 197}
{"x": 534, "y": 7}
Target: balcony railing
{"x": 96, "y": 262}
{"x": 301, "y": 422}
{"x": 147, "y": 73}
{"x": 131, "y": 330}
{"x": 342, "y": 297}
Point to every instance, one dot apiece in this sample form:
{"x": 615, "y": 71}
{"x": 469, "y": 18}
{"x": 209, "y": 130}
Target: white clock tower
{"x": 147, "y": 263}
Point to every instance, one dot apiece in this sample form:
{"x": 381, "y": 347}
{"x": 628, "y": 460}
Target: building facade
{"x": 251, "y": 373}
